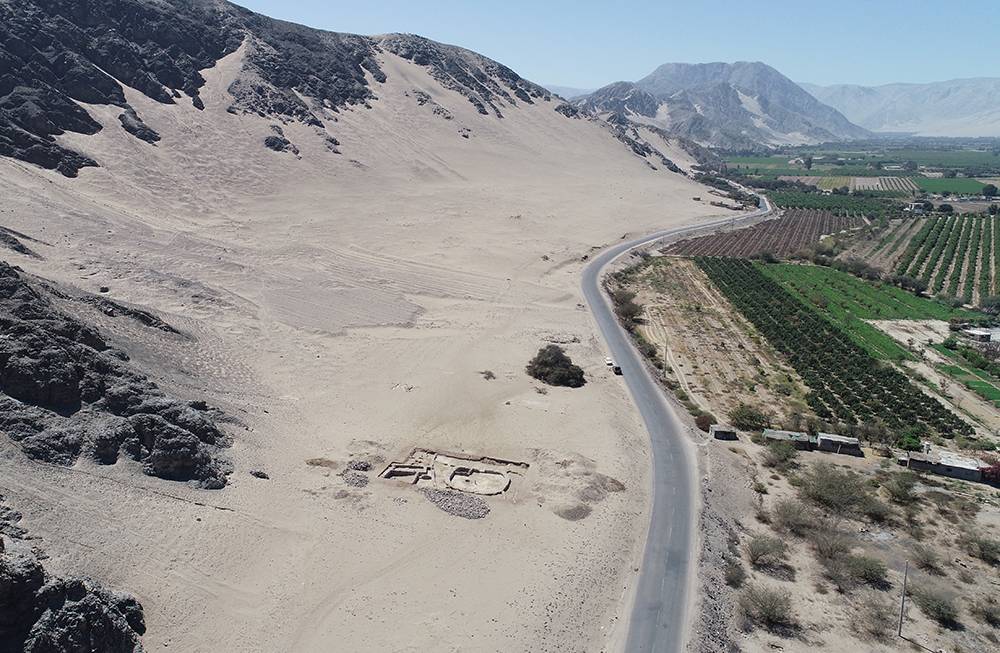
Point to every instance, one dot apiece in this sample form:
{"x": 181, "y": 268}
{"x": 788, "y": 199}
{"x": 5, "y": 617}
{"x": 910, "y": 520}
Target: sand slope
{"x": 343, "y": 306}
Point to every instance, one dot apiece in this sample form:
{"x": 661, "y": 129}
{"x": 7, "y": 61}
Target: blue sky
{"x": 589, "y": 43}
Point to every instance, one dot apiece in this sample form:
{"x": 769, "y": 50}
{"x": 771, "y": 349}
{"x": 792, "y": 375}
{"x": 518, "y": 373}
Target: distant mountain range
{"x": 960, "y": 107}
{"x": 569, "y": 92}
{"x": 737, "y": 105}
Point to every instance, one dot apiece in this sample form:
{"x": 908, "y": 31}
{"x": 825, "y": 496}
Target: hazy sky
{"x": 590, "y": 43}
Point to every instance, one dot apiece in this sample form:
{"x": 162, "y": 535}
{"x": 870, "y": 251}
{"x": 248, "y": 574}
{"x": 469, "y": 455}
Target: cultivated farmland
{"x": 841, "y": 204}
{"x": 957, "y": 185}
{"x": 796, "y": 230}
{"x": 851, "y": 302}
{"x": 902, "y": 185}
{"x": 954, "y": 255}
{"x": 848, "y": 385}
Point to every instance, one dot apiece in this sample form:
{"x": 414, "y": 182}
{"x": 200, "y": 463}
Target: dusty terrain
{"x": 715, "y": 360}
{"x": 344, "y": 307}
{"x": 713, "y": 354}
{"x": 833, "y": 618}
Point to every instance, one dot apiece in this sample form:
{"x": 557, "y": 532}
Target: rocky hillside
{"x": 739, "y": 105}
{"x": 960, "y": 107}
{"x": 55, "y": 54}
{"x": 65, "y": 392}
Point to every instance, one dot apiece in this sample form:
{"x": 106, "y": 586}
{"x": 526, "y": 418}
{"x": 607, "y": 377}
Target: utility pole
{"x": 902, "y": 598}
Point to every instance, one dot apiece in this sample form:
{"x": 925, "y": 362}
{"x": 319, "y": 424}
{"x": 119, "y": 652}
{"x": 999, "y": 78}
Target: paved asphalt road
{"x": 659, "y": 614}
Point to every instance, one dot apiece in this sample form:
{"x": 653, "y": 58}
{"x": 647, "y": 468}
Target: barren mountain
{"x": 738, "y": 105}
{"x": 959, "y": 107}
{"x": 351, "y": 245}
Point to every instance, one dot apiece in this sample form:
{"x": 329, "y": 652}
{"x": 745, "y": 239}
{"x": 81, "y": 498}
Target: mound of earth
{"x": 43, "y": 614}
{"x": 65, "y": 392}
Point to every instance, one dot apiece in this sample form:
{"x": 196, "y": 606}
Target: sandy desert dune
{"x": 343, "y": 307}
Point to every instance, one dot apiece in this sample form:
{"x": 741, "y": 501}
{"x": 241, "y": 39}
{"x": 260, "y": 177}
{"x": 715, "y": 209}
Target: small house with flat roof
{"x": 839, "y": 444}
{"x": 947, "y": 463}
{"x": 798, "y": 440}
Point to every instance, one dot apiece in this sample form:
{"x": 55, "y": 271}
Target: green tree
{"x": 990, "y": 190}
{"x": 749, "y": 418}
{"x": 552, "y": 366}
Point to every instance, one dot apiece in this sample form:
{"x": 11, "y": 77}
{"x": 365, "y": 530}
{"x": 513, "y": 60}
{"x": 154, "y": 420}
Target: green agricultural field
{"x": 946, "y": 158}
{"x": 847, "y": 383}
{"x": 872, "y": 207}
{"x": 829, "y": 183}
{"x": 959, "y": 185}
{"x": 760, "y": 161}
{"x": 848, "y": 302}
{"x": 973, "y": 381}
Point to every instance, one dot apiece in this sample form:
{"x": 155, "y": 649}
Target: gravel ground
{"x": 458, "y": 504}
{"x": 725, "y": 504}
{"x": 355, "y": 479}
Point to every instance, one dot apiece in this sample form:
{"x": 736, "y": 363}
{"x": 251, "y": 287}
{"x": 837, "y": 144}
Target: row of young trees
{"x": 847, "y": 385}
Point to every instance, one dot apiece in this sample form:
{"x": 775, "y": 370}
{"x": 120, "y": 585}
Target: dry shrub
{"x": 850, "y": 571}
{"x": 780, "y": 455}
{"x": 830, "y": 544}
{"x": 876, "y": 510}
{"x": 874, "y": 617}
{"x": 793, "y": 516}
{"x": 901, "y": 488}
{"x": 987, "y": 610}
{"x": 766, "y": 551}
{"x": 936, "y": 603}
{"x": 735, "y": 574}
{"x": 771, "y": 608}
{"x": 982, "y": 547}
{"x": 927, "y": 559}
{"x": 842, "y": 493}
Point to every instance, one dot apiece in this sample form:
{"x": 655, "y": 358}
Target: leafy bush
{"x": 780, "y": 455}
{"x": 551, "y": 365}
{"x": 936, "y": 604}
{"x": 627, "y": 310}
{"x": 793, "y": 516}
{"x": 849, "y": 571}
{"x": 771, "y": 608}
{"x": 839, "y": 492}
{"x": 766, "y": 551}
{"x": 866, "y": 569}
{"x": 749, "y": 418}
{"x": 900, "y": 487}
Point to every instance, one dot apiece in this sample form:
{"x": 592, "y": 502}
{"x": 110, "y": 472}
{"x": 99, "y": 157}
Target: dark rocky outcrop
{"x": 133, "y": 124}
{"x": 65, "y": 392}
{"x": 55, "y": 53}
{"x": 568, "y": 110}
{"x": 484, "y": 82}
{"x": 280, "y": 144}
{"x": 43, "y": 614}
{"x": 12, "y": 240}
